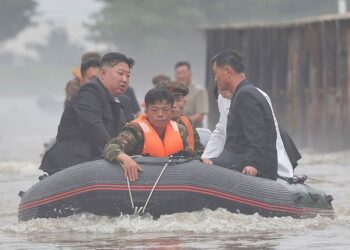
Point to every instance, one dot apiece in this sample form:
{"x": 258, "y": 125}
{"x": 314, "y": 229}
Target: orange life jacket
{"x": 153, "y": 145}
{"x": 190, "y": 137}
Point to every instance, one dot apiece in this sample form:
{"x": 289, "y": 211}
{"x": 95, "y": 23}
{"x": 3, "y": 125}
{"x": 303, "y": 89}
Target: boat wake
{"x": 205, "y": 221}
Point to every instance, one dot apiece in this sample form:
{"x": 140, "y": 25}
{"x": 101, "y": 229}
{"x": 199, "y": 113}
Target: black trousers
{"x": 229, "y": 160}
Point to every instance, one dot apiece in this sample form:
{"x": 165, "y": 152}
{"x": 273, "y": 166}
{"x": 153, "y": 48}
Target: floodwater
{"x": 27, "y": 123}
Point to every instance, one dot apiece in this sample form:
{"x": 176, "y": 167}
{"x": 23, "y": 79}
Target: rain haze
{"x": 43, "y": 46}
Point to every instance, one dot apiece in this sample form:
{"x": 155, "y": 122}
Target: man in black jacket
{"x": 91, "y": 117}
{"x": 250, "y": 145}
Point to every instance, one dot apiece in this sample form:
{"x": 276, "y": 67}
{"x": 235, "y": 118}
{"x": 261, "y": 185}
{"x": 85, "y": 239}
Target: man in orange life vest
{"x": 180, "y": 91}
{"x": 152, "y": 134}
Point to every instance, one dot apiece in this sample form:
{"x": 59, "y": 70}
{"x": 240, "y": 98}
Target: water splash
{"x": 206, "y": 221}
{"x": 19, "y": 168}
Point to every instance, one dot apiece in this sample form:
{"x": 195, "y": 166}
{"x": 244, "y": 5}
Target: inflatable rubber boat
{"x": 166, "y": 187}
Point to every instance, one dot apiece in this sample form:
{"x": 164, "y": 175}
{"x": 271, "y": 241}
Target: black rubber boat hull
{"x": 99, "y": 187}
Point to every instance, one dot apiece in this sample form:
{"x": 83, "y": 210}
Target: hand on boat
{"x": 249, "y": 170}
{"x": 206, "y": 160}
{"x": 130, "y": 166}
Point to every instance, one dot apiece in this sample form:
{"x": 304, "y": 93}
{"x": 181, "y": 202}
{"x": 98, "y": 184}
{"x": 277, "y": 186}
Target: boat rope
{"x": 130, "y": 195}
{"x": 138, "y": 210}
{"x": 155, "y": 184}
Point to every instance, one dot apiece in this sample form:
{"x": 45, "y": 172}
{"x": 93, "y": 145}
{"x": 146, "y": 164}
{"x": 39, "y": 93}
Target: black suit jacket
{"x": 251, "y": 133}
{"x": 88, "y": 121}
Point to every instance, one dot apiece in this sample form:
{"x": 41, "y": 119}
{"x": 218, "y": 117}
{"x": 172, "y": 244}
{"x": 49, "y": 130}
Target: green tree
{"x": 15, "y": 15}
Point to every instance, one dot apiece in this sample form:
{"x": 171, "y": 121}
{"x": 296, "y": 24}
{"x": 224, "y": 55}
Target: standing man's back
{"x": 91, "y": 117}
{"x": 197, "y": 99}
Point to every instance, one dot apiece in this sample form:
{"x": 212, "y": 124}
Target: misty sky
{"x": 64, "y": 13}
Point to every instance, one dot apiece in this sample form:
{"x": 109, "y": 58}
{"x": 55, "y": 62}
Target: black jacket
{"x": 291, "y": 149}
{"x": 88, "y": 121}
{"x": 251, "y": 133}
{"x": 125, "y": 101}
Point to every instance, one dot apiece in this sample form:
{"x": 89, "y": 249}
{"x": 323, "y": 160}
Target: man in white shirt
{"x": 217, "y": 139}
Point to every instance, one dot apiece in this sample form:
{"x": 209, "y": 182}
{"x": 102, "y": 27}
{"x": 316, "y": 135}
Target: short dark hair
{"x": 113, "y": 58}
{"x": 89, "y": 63}
{"x": 159, "y": 79}
{"x": 90, "y": 55}
{"x": 183, "y": 63}
{"x": 176, "y": 88}
{"x": 231, "y": 58}
{"x": 159, "y": 94}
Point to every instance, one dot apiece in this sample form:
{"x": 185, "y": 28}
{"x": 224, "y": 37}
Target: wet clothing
{"x": 193, "y": 138}
{"x": 131, "y": 141}
{"x": 250, "y": 133}
{"x": 90, "y": 119}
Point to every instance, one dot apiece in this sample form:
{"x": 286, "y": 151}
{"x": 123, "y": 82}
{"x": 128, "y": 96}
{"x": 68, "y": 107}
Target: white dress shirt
{"x": 217, "y": 139}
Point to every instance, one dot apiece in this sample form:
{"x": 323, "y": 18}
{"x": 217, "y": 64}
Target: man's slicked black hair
{"x": 231, "y": 58}
{"x": 183, "y": 63}
{"x": 159, "y": 94}
{"x": 89, "y": 63}
{"x": 113, "y": 58}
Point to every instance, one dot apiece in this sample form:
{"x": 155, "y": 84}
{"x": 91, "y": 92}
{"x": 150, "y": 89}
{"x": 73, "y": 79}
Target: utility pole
{"x": 342, "y": 6}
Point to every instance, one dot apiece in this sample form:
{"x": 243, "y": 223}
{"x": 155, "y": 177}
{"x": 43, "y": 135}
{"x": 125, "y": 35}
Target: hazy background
{"x": 41, "y": 41}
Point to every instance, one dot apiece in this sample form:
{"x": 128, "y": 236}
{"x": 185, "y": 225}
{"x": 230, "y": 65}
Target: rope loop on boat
{"x": 141, "y": 210}
{"x": 171, "y": 158}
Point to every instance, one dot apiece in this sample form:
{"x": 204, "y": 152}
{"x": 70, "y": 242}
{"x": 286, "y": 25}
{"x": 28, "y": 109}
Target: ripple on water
{"x": 206, "y": 221}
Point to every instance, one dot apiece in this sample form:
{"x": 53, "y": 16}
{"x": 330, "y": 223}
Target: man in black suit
{"x": 91, "y": 117}
{"x": 250, "y": 145}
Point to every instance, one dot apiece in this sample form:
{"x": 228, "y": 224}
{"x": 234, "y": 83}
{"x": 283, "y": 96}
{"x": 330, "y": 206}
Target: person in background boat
{"x": 197, "y": 99}
{"x": 92, "y": 117}
{"x": 250, "y": 145}
{"x": 152, "y": 134}
{"x": 89, "y": 69}
{"x": 160, "y": 79}
{"x": 73, "y": 85}
{"x": 180, "y": 91}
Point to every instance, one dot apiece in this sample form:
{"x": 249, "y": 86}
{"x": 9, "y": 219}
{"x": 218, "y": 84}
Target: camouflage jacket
{"x": 130, "y": 141}
{"x": 198, "y": 146}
